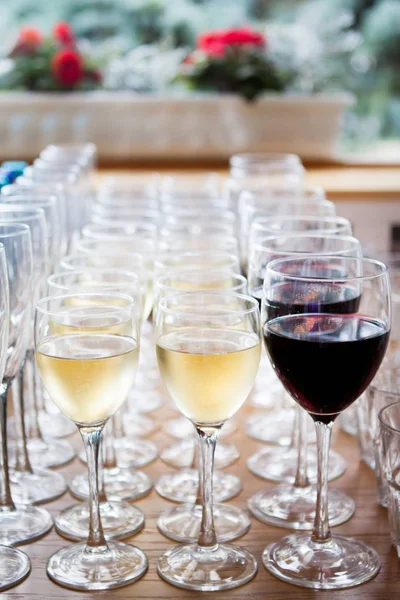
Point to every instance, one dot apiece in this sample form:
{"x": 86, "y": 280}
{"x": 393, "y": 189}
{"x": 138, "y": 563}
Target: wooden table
{"x": 369, "y": 524}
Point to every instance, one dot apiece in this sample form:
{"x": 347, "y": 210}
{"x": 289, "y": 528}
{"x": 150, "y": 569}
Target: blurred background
{"x": 157, "y": 47}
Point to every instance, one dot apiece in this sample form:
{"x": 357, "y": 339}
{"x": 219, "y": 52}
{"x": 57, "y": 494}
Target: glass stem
{"x": 22, "y": 458}
{"x": 30, "y": 374}
{"x": 102, "y": 487}
{"x": 208, "y": 438}
{"x": 301, "y": 420}
{"x": 196, "y": 464}
{"x": 321, "y": 532}
{"x": 91, "y": 438}
{"x": 109, "y": 454}
{"x": 6, "y": 502}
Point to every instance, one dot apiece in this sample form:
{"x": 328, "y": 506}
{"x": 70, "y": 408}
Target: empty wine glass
{"x": 18, "y": 523}
{"x": 14, "y": 564}
{"x": 249, "y": 171}
{"x": 208, "y": 349}
{"x": 87, "y": 349}
{"x": 325, "y": 354}
{"x": 28, "y": 485}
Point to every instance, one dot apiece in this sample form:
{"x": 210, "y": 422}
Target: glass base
{"x": 120, "y": 484}
{"x": 192, "y": 568}
{"x": 182, "y": 523}
{"x": 38, "y": 487}
{"x": 294, "y": 508}
{"x": 181, "y": 454}
{"x": 46, "y": 453}
{"x": 275, "y": 427}
{"x": 137, "y": 425}
{"x": 183, "y": 486}
{"x": 14, "y": 567}
{"x": 119, "y": 520}
{"x": 54, "y": 425}
{"x": 340, "y": 563}
{"x": 280, "y": 465}
{"x": 145, "y": 401}
{"x": 182, "y": 428}
{"x": 73, "y": 567}
{"x": 25, "y": 524}
{"x": 130, "y": 452}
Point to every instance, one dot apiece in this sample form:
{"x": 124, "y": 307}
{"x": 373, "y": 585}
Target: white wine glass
{"x": 128, "y": 453}
{"x": 183, "y": 522}
{"x": 87, "y": 348}
{"x": 208, "y": 350}
{"x": 14, "y": 564}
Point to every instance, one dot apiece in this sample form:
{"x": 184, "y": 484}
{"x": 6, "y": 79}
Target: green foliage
{"x": 245, "y": 73}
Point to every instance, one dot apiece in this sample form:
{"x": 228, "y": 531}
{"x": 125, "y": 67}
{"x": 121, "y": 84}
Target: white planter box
{"x": 126, "y": 125}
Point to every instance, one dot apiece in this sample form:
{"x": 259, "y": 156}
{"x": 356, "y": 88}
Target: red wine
{"x": 325, "y": 361}
{"x": 302, "y": 297}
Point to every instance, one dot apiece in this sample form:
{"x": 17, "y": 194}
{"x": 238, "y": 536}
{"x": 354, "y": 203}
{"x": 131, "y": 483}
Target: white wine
{"x": 88, "y": 376}
{"x": 208, "y": 372}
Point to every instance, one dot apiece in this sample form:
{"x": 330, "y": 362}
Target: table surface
{"x": 369, "y": 524}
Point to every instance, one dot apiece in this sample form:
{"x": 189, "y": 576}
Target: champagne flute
{"x": 14, "y": 564}
{"x": 18, "y": 523}
{"x": 292, "y": 504}
{"x": 208, "y": 349}
{"x": 87, "y": 348}
{"x": 326, "y": 355}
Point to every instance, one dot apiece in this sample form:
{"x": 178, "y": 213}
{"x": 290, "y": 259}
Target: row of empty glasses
{"x": 189, "y": 253}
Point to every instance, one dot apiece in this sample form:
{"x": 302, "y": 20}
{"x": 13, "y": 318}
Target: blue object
{"x": 14, "y": 164}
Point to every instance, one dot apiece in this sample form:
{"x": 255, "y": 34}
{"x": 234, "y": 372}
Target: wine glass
{"x": 183, "y": 523}
{"x": 255, "y": 170}
{"x": 264, "y": 226}
{"x": 87, "y": 349}
{"x": 207, "y": 184}
{"x": 196, "y": 239}
{"x": 18, "y": 523}
{"x": 129, "y": 452}
{"x": 292, "y": 504}
{"x": 28, "y": 485}
{"x": 14, "y": 564}
{"x": 326, "y": 338}
{"x": 208, "y": 349}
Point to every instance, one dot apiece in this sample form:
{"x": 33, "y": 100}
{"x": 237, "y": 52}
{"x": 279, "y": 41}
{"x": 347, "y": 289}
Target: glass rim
{"x": 39, "y": 199}
{"x": 284, "y": 188}
{"x": 218, "y": 270}
{"x": 377, "y": 387}
{"x": 74, "y": 256}
{"x": 382, "y": 411}
{"x": 29, "y": 213}
{"x": 43, "y": 301}
{"x": 288, "y": 204}
{"x": 196, "y": 314}
{"x": 124, "y": 228}
{"x": 51, "y": 280}
{"x": 312, "y": 218}
{"x": 163, "y": 257}
{"x": 261, "y": 246}
{"x": 20, "y": 229}
{"x": 32, "y": 185}
{"x": 271, "y": 267}
{"x": 241, "y": 159}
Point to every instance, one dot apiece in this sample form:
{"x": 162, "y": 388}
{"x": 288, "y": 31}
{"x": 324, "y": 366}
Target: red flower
{"x": 29, "y": 39}
{"x": 67, "y": 67}
{"x": 215, "y": 43}
{"x": 63, "y": 34}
